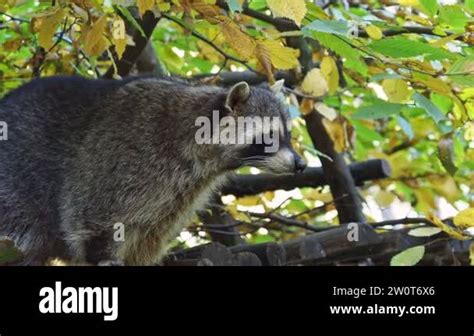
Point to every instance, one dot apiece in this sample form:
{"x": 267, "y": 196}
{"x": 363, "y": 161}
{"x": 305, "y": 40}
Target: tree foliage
{"x": 393, "y": 80}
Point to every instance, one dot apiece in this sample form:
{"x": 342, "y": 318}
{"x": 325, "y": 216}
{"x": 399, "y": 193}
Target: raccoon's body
{"x": 84, "y": 157}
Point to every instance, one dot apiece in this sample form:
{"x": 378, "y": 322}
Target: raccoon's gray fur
{"x": 83, "y": 155}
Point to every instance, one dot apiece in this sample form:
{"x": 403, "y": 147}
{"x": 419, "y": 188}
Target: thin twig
{"x": 209, "y": 42}
{"x": 13, "y": 18}
{"x": 286, "y": 221}
{"x": 322, "y": 207}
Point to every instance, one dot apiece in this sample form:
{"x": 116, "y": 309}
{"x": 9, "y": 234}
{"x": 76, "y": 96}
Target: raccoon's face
{"x": 263, "y": 130}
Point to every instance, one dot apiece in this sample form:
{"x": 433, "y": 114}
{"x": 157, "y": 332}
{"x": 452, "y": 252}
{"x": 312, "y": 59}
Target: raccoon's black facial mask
{"x": 284, "y": 161}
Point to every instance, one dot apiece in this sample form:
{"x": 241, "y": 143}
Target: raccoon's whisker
{"x": 251, "y": 158}
{"x": 256, "y": 157}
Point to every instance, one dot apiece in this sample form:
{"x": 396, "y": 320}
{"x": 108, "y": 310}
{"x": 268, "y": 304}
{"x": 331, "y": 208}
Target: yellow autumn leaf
{"x": 337, "y": 133}
{"x": 48, "y": 26}
{"x": 269, "y": 195}
{"x": 282, "y": 57}
{"x": 330, "y": 73}
{"x": 208, "y": 52}
{"x": 424, "y": 196}
{"x": 80, "y": 12}
{"x": 95, "y": 42}
{"x": 464, "y": 219}
{"x": 307, "y": 106}
{"x": 446, "y": 186}
{"x": 144, "y": 5}
{"x": 164, "y": 6}
{"x": 232, "y": 210}
{"x": 119, "y": 36}
{"x": 317, "y": 195}
{"x": 242, "y": 43}
{"x": 314, "y": 83}
{"x": 449, "y": 230}
{"x": 408, "y": 2}
{"x": 396, "y": 90}
{"x": 418, "y": 19}
{"x": 374, "y": 32}
{"x": 436, "y": 85}
{"x": 384, "y": 198}
{"x": 442, "y": 41}
{"x": 264, "y": 61}
{"x": 471, "y": 254}
{"x": 249, "y": 200}
{"x": 120, "y": 46}
{"x": 12, "y": 45}
{"x": 291, "y": 9}
{"x": 459, "y": 111}
{"x": 206, "y": 8}
{"x": 469, "y": 131}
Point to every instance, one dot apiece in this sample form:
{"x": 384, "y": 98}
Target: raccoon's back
{"x": 46, "y": 119}
{"x": 45, "y": 122}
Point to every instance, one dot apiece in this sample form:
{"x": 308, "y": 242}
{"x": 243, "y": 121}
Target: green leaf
{"x": 459, "y": 151}
{"x": 339, "y": 45}
{"x": 462, "y": 71}
{"x": 470, "y": 5}
{"x": 365, "y": 133}
{"x": 453, "y": 17}
{"x": 384, "y": 75}
{"x": 406, "y": 127}
{"x": 378, "y": 110}
{"x": 409, "y": 257}
{"x": 445, "y": 104}
{"x": 296, "y": 206}
{"x": 400, "y": 47}
{"x": 430, "y": 6}
{"x": 204, "y": 66}
{"x": 258, "y": 4}
{"x": 314, "y": 12}
{"x": 432, "y": 110}
{"x": 235, "y": 5}
{"x": 424, "y": 231}
{"x": 328, "y": 26}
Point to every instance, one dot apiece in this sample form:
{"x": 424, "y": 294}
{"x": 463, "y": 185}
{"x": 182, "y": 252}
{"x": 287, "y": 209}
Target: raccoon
{"x": 84, "y": 156}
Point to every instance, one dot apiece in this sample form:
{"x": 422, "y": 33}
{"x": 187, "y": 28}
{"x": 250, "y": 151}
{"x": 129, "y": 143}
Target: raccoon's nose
{"x": 300, "y": 164}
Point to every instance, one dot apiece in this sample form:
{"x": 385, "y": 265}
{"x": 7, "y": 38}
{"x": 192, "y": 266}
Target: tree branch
{"x": 148, "y": 23}
{"x": 216, "y": 217}
{"x": 407, "y": 30}
{"x": 148, "y": 62}
{"x": 13, "y": 18}
{"x": 334, "y": 247}
{"x": 286, "y": 221}
{"x": 283, "y": 24}
{"x": 252, "y": 78}
{"x": 242, "y": 185}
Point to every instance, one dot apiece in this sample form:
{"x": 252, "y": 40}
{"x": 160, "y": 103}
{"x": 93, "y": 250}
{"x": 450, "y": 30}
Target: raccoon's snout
{"x": 285, "y": 161}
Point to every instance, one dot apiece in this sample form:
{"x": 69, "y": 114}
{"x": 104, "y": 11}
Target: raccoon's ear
{"x": 239, "y": 93}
